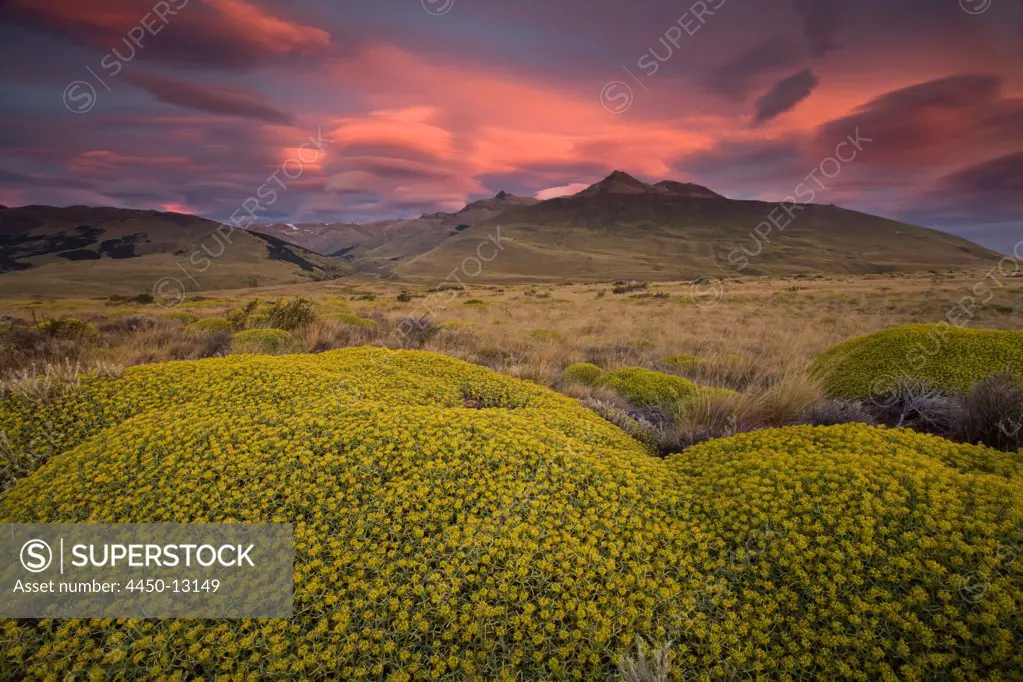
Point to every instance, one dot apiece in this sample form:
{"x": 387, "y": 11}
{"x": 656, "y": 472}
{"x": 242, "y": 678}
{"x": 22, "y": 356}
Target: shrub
{"x": 202, "y": 345}
{"x": 404, "y": 297}
{"x": 413, "y": 332}
{"x": 24, "y": 341}
{"x": 68, "y": 328}
{"x": 916, "y": 405}
{"x": 627, "y": 286}
{"x": 290, "y": 315}
{"x": 949, "y": 359}
{"x": 647, "y": 387}
{"x": 209, "y": 325}
{"x": 240, "y": 318}
{"x": 475, "y": 302}
{"x": 582, "y": 373}
{"x": 266, "y": 341}
{"x": 992, "y": 413}
{"x": 798, "y": 553}
{"x": 832, "y": 411}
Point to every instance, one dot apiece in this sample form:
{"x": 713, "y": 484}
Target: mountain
{"x": 623, "y": 183}
{"x": 621, "y": 227}
{"x": 373, "y": 247}
{"x": 101, "y": 251}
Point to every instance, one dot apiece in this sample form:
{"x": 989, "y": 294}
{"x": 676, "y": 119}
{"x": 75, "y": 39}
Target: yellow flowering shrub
{"x": 528, "y": 539}
{"x": 582, "y": 373}
{"x": 640, "y": 386}
{"x": 647, "y": 387}
{"x": 268, "y": 341}
{"x": 209, "y": 325}
{"x": 950, "y": 359}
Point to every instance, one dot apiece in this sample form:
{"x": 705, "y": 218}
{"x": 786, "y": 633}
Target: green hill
{"x": 99, "y": 251}
{"x": 623, "y": 228}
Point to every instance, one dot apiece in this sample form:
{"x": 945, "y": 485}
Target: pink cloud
{"x": 276, "y": 35}
{"x": 563, "y": 191}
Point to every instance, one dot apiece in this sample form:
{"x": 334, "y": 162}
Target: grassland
{"x": 761, "y": 329}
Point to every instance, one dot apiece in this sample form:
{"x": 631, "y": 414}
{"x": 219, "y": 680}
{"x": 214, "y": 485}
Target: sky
{"x": 357, "y": 110}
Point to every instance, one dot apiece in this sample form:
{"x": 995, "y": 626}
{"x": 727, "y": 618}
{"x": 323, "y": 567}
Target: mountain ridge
{"x": 618, "y": 227}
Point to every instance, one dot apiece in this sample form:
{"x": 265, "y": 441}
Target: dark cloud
{"x": 993, "y": 188}
{"x": 213, "y": 99}
{"x": 821, "y": 23}
{"x": 213, "y": 33}
{"x": 737, "y": 76}
{"x": 933, "y": 122}
{"x": 785, "y": 95}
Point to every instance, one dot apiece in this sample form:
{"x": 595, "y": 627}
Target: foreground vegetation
{"x": 756, "y": 342}
{"x": 452, "y": 523}
{"x": 456, "y": 522}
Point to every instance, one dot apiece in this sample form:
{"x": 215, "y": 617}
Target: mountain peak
{"x": 618, "y": 182}
{"x": 501, "y": 196}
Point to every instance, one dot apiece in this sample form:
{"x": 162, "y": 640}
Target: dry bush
{"x": 414, "y": 332}
{"x": 915, "y": 405}
{"x": 199, "y": 346}
{"x": 43, "y": 383}
{"x": 127, "y": 324}
{"x": 834, "y": 411}
{"x": 21, "y": 346}
{"x": 992, "y": 413}
{"x": 617, "y": 413}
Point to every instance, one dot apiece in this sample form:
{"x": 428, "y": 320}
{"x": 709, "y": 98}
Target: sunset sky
{"x": 432, "y": 103}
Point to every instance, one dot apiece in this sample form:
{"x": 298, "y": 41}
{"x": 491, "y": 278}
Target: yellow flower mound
{"x": 647, "y": 387}
{"x": 209, "y": 325}
{"x": 950, "y": 359}
{"x": 269, "y": 341}
{"x": 643, "y": 387}
{"x": 582, "y": 373}
{"x": 527, "y": 540}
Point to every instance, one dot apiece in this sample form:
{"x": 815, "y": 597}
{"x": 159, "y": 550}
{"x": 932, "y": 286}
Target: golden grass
{"x": 758, "y": 338}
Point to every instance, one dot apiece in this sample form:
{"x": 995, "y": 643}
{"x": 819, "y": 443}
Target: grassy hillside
{"x": 80, "y": 250}
{"x": 653, "y": 235}
{"x": 374, "y": 247}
